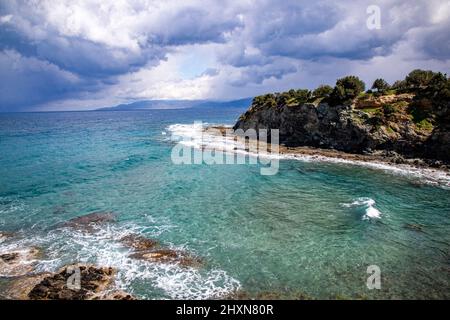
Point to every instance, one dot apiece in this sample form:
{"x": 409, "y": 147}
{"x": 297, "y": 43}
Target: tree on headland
{"x": 399, "y": 85}
{"x": 347, "y": 89}
{"x": 417, "y": 78}
{"x": 380, "y": 85}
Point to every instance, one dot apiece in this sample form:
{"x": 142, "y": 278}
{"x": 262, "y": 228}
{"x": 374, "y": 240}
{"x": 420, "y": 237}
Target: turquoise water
{"x": 303, "y": 231}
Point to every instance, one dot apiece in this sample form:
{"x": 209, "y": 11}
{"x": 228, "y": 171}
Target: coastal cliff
{"x": 408, "y": 120}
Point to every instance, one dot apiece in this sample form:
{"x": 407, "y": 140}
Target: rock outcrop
{"x": 90, "y": 221}
{"x": 152, "y": 251}
{"x": 95, "y": 283}
{"x": 360, "y": 127}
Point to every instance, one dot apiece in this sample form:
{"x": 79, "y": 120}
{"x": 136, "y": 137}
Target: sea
{"x": 317, "y": 229}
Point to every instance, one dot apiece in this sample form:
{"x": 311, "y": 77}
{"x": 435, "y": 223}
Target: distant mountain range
{"x": 179, "y": 104}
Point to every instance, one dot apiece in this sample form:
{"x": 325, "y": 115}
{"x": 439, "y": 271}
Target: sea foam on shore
{"x": 198, "y": 137}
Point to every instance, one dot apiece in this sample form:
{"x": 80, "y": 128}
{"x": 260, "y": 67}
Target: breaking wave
{"x": 157, "y": 280}
{"x": 194, "y": 136}
{"x": 369, "y": 206}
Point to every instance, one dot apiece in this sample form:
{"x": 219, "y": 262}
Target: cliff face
{"x": 385, "y": 123}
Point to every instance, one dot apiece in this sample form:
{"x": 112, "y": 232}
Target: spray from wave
{"x": 368, "y": 205}
{"x": 143, "y": 279}
{"x": 193, "y": 135}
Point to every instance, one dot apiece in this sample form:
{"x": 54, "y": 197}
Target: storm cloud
{"x": 66, "y": 54}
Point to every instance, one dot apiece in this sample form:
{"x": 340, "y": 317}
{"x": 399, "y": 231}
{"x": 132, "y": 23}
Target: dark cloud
{"x": 29, "y": 81}
{"x": 59, "y": 50}
{"x": 257, "y": 74}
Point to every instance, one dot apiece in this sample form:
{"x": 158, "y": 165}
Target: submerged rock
{"x": 414, "y": 227}
{"x": 168, "y": 256}
{"x": 18, "y": 262}
{"x": 89, "y": 221}
{"x": 138, "y": 242}
{"x": 152, "y": 251}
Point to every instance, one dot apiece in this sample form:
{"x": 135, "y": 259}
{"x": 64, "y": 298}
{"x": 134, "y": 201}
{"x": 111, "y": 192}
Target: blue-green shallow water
{"x": 288, "y": 234}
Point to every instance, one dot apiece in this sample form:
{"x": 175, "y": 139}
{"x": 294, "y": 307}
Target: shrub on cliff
{"x": 293, "y": 97}
{"x": 346, "y": 89}
{"x": 322, "y": 91}
{"x": 265, "y": 100}
{"x": 302, "y": 95}
{"x": 389, "y": 109}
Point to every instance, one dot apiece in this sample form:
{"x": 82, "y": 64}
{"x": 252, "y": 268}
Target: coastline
{"x": 392, "y": 162}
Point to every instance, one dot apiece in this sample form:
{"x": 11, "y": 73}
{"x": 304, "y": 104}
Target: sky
{"x": 87, "y": 54}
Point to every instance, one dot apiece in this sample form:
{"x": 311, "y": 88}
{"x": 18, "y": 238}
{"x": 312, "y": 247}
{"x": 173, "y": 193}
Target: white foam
{"x": 103, "y": 248}
{"x": 370, "y": 211}
{"x": 193, "y": 135}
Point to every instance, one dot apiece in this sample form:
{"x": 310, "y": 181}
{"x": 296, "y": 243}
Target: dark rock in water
{"x": 95, "y": 284}
{"x": 138, "y": 242}
{"x": 18, "y": 262}
{"x": 9, "y": 257}
{"x": 168, "y": 256}
{"x": 59, "y": 210}
{"x": 151, "y": 250}
{"x": 93, "y": 281}
{"x": 89, "y": 221}
{"x": 414, "y": 227}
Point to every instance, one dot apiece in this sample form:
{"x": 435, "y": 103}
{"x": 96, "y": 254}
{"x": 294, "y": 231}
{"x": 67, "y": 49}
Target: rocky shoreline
{"x": 389, "y": 158}
{"x": 381, "y": 158}
{"x": 407, "y": 123}
{"x": 18, "y": 266}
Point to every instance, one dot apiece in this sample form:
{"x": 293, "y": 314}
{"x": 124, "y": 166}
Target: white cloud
{"x": 142, "y": 49}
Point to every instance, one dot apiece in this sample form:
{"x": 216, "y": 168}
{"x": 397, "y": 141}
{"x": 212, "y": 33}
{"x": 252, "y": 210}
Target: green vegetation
{"x": 371, "y": 110}
{"x": 289, "y": 98}
{"x": 389, "y": 109}
{"x": 265, "y": 100}
{"x": 425, "y": 125}
{"x": 346, "y": 89}
{"x": 430, "y": 90}
{"x": 418, "y": 78}
{"x": 420, "y": 109}
{"x": 411, "y": 117}
{"x": 322, "y": 91}
{"x": 380, "y": 85}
